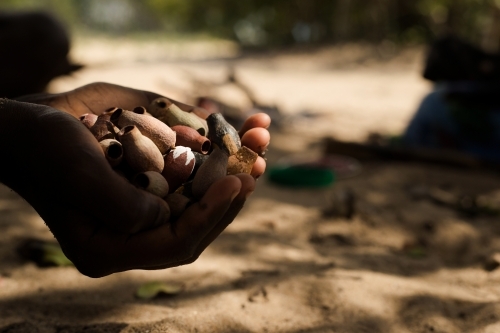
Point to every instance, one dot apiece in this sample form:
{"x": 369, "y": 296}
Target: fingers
{"x": 97, "y": 252}
{"x": 170, "y": 245}
{"x": 261, "y": 120}
{"x": 98, "y": 97}
{"x": 247, "y": 188}
{"x": 257, "y": 139}
{"x": 258, "y": 168}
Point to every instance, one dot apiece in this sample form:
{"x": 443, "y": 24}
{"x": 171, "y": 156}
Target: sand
{"x": 401, "y": 264}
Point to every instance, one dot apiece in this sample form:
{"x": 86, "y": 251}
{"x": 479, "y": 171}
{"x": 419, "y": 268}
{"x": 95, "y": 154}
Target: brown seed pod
{"x": 179, "y": 164}
{"x": 223, "y": 134}
{"x": 188, "y": 137}
{"x": 153, "y": 182}
{"x": 214, "y": 168}
{"x": 113, "y": 151}
{"x": 88, "y": 119}
{"x": 108, "y": 113}
{"x": 177, "y": 203}
{"x": 154, "y": 129}
{"x": 102, "y": 129}
{"x": 141, "y": 110}
{"x": 140, "y": 153}
{"x": 242, "y": 161}
{"x": 169, "y": 113}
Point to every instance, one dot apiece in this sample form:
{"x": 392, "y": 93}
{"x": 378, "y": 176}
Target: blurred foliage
{"x": 284, "y": 22}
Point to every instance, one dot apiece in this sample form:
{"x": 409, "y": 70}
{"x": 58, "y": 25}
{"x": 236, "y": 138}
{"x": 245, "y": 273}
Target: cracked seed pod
{"x": 242, "y": 161}
{"x": 179, "y": 164}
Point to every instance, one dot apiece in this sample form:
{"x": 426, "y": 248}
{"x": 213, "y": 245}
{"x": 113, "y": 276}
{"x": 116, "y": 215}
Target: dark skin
{"x": 103, "y": 223}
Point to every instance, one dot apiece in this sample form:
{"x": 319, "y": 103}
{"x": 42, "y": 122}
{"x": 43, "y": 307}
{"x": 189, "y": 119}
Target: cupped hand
{"x": 98, "y": 97}
{"x": 103, "y": 223}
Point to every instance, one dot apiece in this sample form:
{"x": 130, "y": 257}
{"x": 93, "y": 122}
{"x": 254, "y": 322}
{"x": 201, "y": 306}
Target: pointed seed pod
{"x": 214, "y": 168}
{"x": 223, "y": 134}
{"x": 113, "y": 151}
{"x": 172, "y": 115}
{"x": 153, "y": 182}
{"x": 188, "y": 137}
{"x": 157, "y": 131}
{"x": 140, "y": 153}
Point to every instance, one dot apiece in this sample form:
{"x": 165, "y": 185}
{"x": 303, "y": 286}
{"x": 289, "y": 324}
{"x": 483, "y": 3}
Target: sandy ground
{"x": 282, "y": 266}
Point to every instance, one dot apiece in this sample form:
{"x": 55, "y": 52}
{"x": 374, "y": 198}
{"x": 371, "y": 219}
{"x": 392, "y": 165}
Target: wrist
{"x": 16, "y": 129}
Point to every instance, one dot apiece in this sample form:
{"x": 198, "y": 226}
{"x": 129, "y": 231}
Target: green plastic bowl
{"x": 301, "y": 176}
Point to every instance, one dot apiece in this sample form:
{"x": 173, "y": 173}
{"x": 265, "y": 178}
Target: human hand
{"x": 103, "y": 223}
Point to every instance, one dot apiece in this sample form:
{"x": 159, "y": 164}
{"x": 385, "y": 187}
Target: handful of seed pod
{"x": 169, "y": 152}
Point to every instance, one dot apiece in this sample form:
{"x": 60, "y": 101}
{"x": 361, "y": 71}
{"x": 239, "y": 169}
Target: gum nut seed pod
{"x": 214, "y": 168}
{"x": 179, "y": 164}
{"x": 242, "y": 161}
{"x": 140, "y": 153}
{"x": 157, "y": 131}
{"x": 108, "y": 113}
{"x": 153, "y": 182}
{"x": 223, "y": 134}
{"x": 88, "y": 119}
{"x": 159, "y": 109}
{"x": 141, "y": 110}
{"x": 177, "y": 203}
{"x": 189, "y": 137}
{"x": 101, "y": 130}
{"x": 112, "y": 128}
{"x": 113, "y": 151}
{"x": 172, "y": 115}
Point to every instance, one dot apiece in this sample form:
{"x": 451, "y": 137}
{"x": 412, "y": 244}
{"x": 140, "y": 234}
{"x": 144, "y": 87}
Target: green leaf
{"x": 417, "y": 252}
{"x": 153, "y": 289}
{"x": 52, "y": 254}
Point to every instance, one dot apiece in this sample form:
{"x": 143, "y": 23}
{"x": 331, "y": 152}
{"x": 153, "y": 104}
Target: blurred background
{"x": 271, "y": 24}
{"x": 396, "y": 228}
